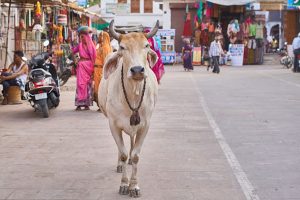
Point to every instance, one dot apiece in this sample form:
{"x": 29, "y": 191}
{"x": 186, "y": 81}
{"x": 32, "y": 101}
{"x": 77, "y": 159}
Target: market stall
{"x": 231, "y": 22}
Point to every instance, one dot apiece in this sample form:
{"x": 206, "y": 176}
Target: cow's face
{"x": 136, "y": 54}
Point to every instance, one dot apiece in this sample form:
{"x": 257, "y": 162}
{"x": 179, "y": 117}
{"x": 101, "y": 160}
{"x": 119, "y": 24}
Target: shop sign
{"x": 293, "y": 4}
{"x": 168, "y": 57}
{"x": 166, "y": 32}
{"x": 118, "y": 8}
{"x": 236, "y": 54}
{"x": 296, "y": 2}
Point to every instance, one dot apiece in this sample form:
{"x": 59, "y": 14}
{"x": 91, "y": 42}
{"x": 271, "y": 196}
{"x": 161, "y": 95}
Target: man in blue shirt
{"x": 296, "y": 48}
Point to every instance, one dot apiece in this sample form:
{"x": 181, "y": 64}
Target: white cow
{"x": 127, "y": 96}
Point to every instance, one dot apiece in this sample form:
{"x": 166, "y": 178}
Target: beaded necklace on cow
{"x": 135, "y": 117}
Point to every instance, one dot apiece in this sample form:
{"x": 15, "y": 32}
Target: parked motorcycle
{"x": 67, "y": 71}
{"x": 43, "y": 86}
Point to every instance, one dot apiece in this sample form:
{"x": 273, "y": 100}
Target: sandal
{"x": 4, "y": 102}
{"x": 86, "y": 108}
{"x": 78, "y": 108}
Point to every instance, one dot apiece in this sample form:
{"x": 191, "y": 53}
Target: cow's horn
{"x": 153, "y": 31}
{"x": 112, "y": 31}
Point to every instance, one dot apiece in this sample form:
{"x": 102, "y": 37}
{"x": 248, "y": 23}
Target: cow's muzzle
{"x": 138, "y": 73}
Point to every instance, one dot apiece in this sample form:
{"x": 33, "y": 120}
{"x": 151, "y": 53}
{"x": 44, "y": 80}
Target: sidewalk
{"x": 72, "y": 155}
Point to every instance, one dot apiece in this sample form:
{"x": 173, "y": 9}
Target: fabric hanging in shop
{"x": 231, "y": 2}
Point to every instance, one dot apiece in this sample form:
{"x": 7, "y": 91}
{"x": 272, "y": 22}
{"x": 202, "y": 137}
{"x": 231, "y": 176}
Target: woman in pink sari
{"x": 84, "y": 70}
{"x": 158, "y": 68}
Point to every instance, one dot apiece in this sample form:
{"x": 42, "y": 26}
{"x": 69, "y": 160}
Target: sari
{"x": 84, "y": 71}
{"x": 187, "y": 57}
{"x": 103, "y": 50}
{"x": 158, "y": 68}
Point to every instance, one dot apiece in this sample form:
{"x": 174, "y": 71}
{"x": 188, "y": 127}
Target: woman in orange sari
{"x": 103, "y": 48}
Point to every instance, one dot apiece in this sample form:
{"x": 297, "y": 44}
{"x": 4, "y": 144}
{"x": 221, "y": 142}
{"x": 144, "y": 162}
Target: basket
{"x": 14, "y": 95}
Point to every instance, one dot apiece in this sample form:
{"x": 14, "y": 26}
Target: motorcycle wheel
{"x": 44, "y": 107}
{"x": 64, "y": 77}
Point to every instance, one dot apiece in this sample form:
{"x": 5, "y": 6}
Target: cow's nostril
{"x": 137, "y": 69}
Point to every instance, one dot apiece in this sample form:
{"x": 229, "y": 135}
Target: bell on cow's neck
{"x": 135, "y": 118}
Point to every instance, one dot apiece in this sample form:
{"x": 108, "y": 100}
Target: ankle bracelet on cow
{"x": 135, "y": 117}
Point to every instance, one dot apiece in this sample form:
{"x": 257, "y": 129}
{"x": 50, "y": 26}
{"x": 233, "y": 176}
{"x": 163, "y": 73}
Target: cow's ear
{"x": 110, "y": 64}
{"x": 152, "y": 58}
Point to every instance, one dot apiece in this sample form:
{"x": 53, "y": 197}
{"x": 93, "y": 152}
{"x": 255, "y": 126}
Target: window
{"x": 135, "y": 6}
{"x": 161, "y": 6}
{"x": 148, "y": 6}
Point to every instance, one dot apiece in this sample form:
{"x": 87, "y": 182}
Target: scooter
{"x": 43, "y": 87}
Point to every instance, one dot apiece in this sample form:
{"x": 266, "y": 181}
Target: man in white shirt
{"x": 215, "y": 52}
{"x": 296, "y": 49}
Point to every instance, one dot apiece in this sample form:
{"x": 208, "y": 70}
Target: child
{"x": 224, "y": 58}
{"x": 206, "y": 57}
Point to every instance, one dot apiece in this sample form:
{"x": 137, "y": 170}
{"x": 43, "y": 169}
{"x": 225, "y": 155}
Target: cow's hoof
{"x": 120, "y": 169}
{"x": 124, "y": 190}
{"x": 129, "y": 161}
{"x": 135, "y": 193}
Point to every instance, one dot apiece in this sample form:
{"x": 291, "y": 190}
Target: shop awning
{"x": 43, "y": 2}
{"x": 231, "y": 2}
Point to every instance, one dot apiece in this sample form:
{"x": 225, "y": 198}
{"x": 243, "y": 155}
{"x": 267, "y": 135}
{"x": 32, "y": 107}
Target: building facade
{"x": 130, "y": 12}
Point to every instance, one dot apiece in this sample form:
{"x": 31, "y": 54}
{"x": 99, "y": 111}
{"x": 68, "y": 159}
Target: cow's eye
{"x": 122, "y": 48}
{"x": 147, "y": 46}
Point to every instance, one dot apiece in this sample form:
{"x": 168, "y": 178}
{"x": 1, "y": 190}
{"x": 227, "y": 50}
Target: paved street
{"x": 231, "y": 136}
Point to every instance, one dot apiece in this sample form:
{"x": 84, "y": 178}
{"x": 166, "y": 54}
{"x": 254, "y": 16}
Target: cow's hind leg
{"x": 117, "y": 134}
{"x": 134, "y": 190}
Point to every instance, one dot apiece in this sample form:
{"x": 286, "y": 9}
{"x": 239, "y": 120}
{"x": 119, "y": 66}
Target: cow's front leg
{"x": 134, "y": 190}
{"x": 131, "y": 148}
{"x": 117, "y": 134}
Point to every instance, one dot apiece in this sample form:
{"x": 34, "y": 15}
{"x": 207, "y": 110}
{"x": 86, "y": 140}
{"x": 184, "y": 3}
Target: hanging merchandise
{"x": 187, "y": 30}
{"x": 209, "y": 9}
{"x": 62, "y": 19}
{"x": 59, "y": 29}
{"x": 38, "y": 10}
{"x": 198, "y": 17}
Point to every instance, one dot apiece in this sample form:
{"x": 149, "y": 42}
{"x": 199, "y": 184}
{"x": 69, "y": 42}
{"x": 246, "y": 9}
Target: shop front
{"x": 37, "y": 21}
{"x": 231, "y": 20}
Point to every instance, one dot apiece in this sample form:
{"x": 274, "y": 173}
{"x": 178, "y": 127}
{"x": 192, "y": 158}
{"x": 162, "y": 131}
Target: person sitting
{"x": 15, "y": 75}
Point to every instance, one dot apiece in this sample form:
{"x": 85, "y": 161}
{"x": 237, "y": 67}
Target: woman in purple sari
{"x": 84, "y": 70}
{"x": 187, "y": 56}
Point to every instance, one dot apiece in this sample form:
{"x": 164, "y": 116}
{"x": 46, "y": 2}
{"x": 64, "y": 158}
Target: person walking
{"x": 187, "y": 56}
{"x": 103, "y": 48}
{"x": 296, "y": 49}
{"x": 85, "y": 69}
{"x": 215, "y": 51}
